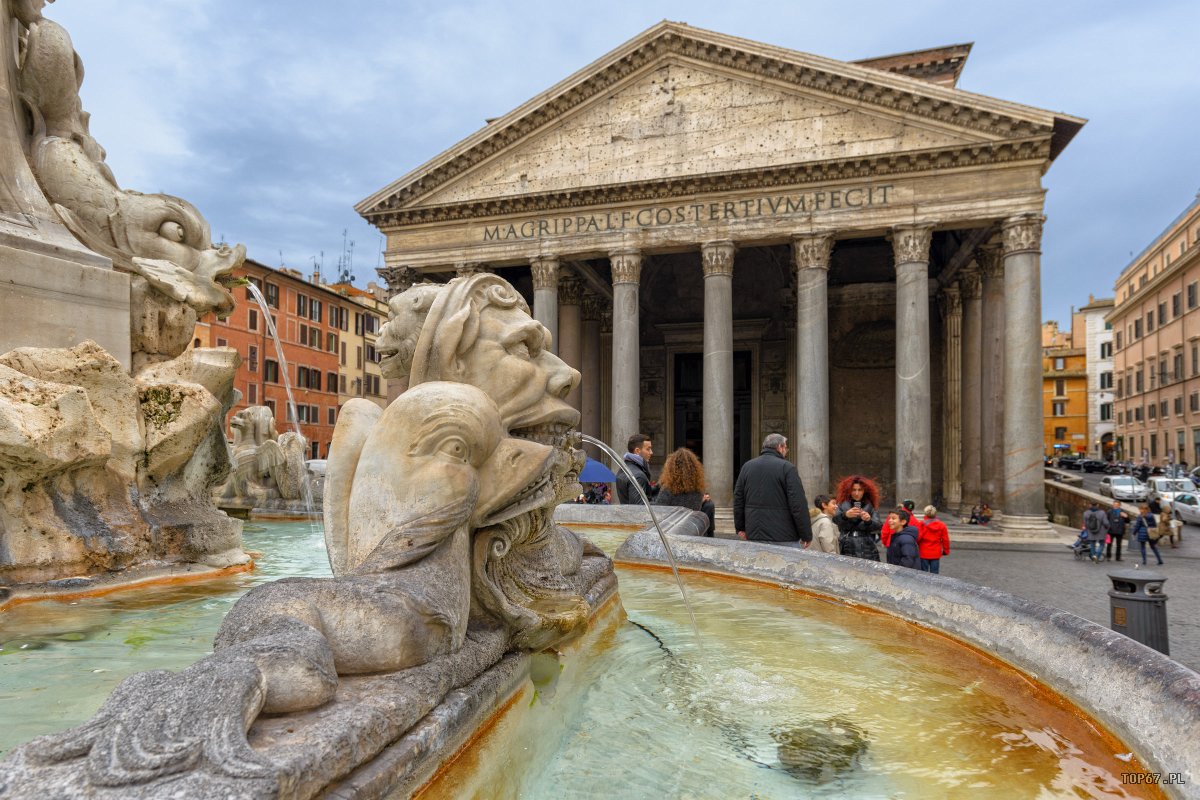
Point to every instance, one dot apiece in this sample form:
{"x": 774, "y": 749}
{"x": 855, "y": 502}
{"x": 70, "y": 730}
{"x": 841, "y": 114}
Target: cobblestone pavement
{"x": 1049, "y": 574}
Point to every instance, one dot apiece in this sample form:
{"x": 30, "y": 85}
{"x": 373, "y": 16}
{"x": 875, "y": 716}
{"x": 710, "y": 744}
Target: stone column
{"x": 717, "y": 258}
{"x": 590, "y": 369}
{"x": 545, "y": 295}
{"x": 952, "y": 430}
{"x": 991, "y": 377}
{"x": 972, "y": 404}
{"x": 1024, "y": 493}
{"x": 914, "y": 448}
{"x": 810, "y": 440}
{"x": 626, "y": 344}
{"x": 570, "y": 331}
{"x": 398, "y": 279}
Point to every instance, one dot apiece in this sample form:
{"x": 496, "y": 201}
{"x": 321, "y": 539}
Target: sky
{"x": 274, "y": 118}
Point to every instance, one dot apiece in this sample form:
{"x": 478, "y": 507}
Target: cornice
{"x": 867, "y": 167}
{"x": 859, "y": 85}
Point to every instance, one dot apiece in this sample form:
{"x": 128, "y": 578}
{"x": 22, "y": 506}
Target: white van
{"x": 1165, "y": 489}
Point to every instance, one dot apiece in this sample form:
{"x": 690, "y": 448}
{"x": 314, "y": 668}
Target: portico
{"x": 773, "y": 234}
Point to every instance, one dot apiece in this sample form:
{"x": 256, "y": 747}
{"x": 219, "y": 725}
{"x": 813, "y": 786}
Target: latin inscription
{"x": 690, "y": 213}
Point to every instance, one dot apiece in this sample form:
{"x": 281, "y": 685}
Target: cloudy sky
{"x": 276, "y": 117}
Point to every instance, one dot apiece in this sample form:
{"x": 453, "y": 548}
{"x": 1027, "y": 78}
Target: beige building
{"x": 730, "y": 239}
{"x": 1156, "y": 338}
{"x": 359, "y": 374}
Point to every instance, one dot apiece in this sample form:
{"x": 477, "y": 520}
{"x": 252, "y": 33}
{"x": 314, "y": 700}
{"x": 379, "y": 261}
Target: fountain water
{"x": 620, "y": 462}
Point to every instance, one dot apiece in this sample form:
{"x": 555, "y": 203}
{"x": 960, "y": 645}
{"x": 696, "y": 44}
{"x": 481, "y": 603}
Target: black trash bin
{"x": 1138, "y": 607}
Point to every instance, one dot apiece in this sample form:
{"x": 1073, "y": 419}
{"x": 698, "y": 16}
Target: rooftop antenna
{"x": 281, "y": 258}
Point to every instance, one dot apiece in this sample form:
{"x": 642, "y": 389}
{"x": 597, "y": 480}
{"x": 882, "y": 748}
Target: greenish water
{"x": 59, "y": 660}
{"x": 790, "y": 696}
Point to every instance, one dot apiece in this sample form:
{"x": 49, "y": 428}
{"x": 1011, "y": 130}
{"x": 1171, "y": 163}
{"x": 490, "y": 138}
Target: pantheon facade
{"x": 730, "y": 239}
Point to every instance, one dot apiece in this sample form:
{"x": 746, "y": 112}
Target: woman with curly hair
{"x": 682, "y": 484}
{"x": 857, "y": 498}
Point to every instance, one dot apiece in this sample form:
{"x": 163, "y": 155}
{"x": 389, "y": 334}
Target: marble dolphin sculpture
{"x": 404, "y": 600}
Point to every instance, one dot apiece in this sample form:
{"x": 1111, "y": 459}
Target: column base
{"x": 1023, "y": 525}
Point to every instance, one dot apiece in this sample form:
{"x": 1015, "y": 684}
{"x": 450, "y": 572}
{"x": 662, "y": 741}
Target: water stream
{"x": 620, "y": 462}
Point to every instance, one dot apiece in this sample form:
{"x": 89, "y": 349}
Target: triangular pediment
{"x": 677, "y": 102}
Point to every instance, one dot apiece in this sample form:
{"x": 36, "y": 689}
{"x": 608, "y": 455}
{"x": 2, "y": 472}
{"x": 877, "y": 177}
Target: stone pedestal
{"x": 717, "y": 260}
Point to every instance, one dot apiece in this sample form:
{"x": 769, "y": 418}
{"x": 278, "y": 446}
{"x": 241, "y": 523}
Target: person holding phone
{"x": 857, "y": 522}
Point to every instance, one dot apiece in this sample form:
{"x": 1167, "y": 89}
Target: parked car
{"x": 1187, "y": 507}
{"x": 1069, "y": 462}
{"x": 1092, "y": 465}
{"x": 1123, "y": 487}
{"x": 1165, "y": 489}
{"x": 1119, "y": 468}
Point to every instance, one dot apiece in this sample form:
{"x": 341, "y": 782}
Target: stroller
{"x": 1081, "y": 548}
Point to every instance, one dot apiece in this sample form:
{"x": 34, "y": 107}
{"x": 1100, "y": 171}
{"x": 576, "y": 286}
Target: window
{"x": 1059, "y": 408}
{"x": 332, "y": 415}
{"x": 252, "y": 394}
{"x": 1118, "y": 340}
{"x": 222, "y": 342}
{"x": 314, "y": 310}
{"x": 358, "y": 323}
{"x": 257, "y": 282}
{"x": 1138, "y": 381}
{"x": 301, "y": 377}
{"x": 270, "y": 371}
{"x": 331, "y": 381}
{"x": 304, "y": 334}
{"x": 1060, "y": 434}
{"x": 1154, "y": 447}
{"x": 1137, "y": 328}
{"x": 1151, "y": 410}
{"x": 331, "y": 342}
{"x": 1176, "y": 304}
{"x": 1106, "y": 412}
{"x": 1162, "y": 409}
{"x": 1060, "y": 363}
{"x": 358, "y": 357}
{"x": 272, "y": 294}
{"x": 1162, "y": 314}
{"x": 1177, "y": 366}
{"x": 1195, "y": 360}
{"x": 302, "y": 413}
{"x": 373, "y": 385}
{"x": 1106, "y": 350}
{"x": 316, "y": 450}
{"x": 1149, "y": 320}
{"x": 371, "y": 323}
{"x": 1137, "y": 412}
{"x": 252, "y": 358}
{"x": 1192, "y": 294}
{"x": 271, "y": 405}
{"x": 291, "y": 412}
{"x": 1120, "y": 417}
{"x": 343, "y": 354}
{"x": 1194, "y": 401}
{"x": 371, "y": 356}
{"x": 344, "y": 322}
{"x": 253, "y": 320}
{"x": 301, "y": 306}
{"x": 1179, "y": 406}
{"x": 1106, "y": 380}
{"x": 358, "y": 386}
{"x": 1162, "y": 372}
{"x": 1060, "y": 387}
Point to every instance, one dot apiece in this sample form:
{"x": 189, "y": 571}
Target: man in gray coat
{"x": 1095, "y": 525}
{"x": 768, "y": 500}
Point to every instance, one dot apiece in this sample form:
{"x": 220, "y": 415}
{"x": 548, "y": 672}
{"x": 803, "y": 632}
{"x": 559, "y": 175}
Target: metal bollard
{"x": 1138, "y": 607}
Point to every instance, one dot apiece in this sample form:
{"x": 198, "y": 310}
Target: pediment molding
{"x": 859, "y": 85}
{"x": 833, "y": 170}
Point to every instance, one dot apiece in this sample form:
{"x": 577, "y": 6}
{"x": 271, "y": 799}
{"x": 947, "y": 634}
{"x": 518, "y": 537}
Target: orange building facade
{"x": 1064, "y": 393}
{"x": 1156, "y": 347}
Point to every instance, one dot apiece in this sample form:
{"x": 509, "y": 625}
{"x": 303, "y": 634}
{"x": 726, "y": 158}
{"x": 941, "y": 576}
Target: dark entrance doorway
{"x": 689, "y": 405}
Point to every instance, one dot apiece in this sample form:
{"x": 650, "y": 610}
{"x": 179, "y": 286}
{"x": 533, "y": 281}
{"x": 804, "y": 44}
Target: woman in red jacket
{"x": 933, "y": 541}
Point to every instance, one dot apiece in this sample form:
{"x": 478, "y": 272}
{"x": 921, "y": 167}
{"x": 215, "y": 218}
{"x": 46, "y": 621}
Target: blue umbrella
{"x": 595, "y": 472}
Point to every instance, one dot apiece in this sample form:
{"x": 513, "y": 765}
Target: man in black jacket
{"x": 768, "y": 500}
{"x": 638, "y": 460}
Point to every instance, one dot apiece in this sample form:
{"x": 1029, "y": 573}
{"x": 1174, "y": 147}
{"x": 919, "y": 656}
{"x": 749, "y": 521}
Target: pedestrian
{"x": 1174, "y": 529}
{"x": 903, "y": 550}
{"x": 825, "y": 533}
{"x": 1118, "y": 518}
{"x": 1095, "y": 522}
{"x": 641, "y": 449}
{"x": 681, "y": 483}
{"x": 933, "y": 541}
{"x": 1145, "y": 530}
{"x": 857, "y": 498}
{"x": 768, "y": 499}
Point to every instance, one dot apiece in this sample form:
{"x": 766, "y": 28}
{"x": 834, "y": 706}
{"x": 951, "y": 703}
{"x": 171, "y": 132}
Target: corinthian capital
{"x": 570, "y": 291}
{"x": 990, "y": 262}
{"x": 593, "y": 306}
{"x": 626, "y": 266}
{"x": 910, "y": 243}
{"x": 812, "y": 251}
{"x": 545, "y": 272}
{"x": 464, "y": 269}
{"x": 951, "y": 301}
{"x": 398, "y": 279}
{"x": 1022, "y": 234}
{"x": 717, "y": 258}
{"x": 971, "y": 284}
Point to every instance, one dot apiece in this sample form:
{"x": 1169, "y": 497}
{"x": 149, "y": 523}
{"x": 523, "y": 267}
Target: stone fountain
{"x": 110, "y": 425}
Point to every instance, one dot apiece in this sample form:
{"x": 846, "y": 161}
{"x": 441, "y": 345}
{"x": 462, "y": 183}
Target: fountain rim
{"x": 1147, "y": 700}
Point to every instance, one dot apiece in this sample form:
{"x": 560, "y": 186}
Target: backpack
{"x": 1091, "y": 521}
